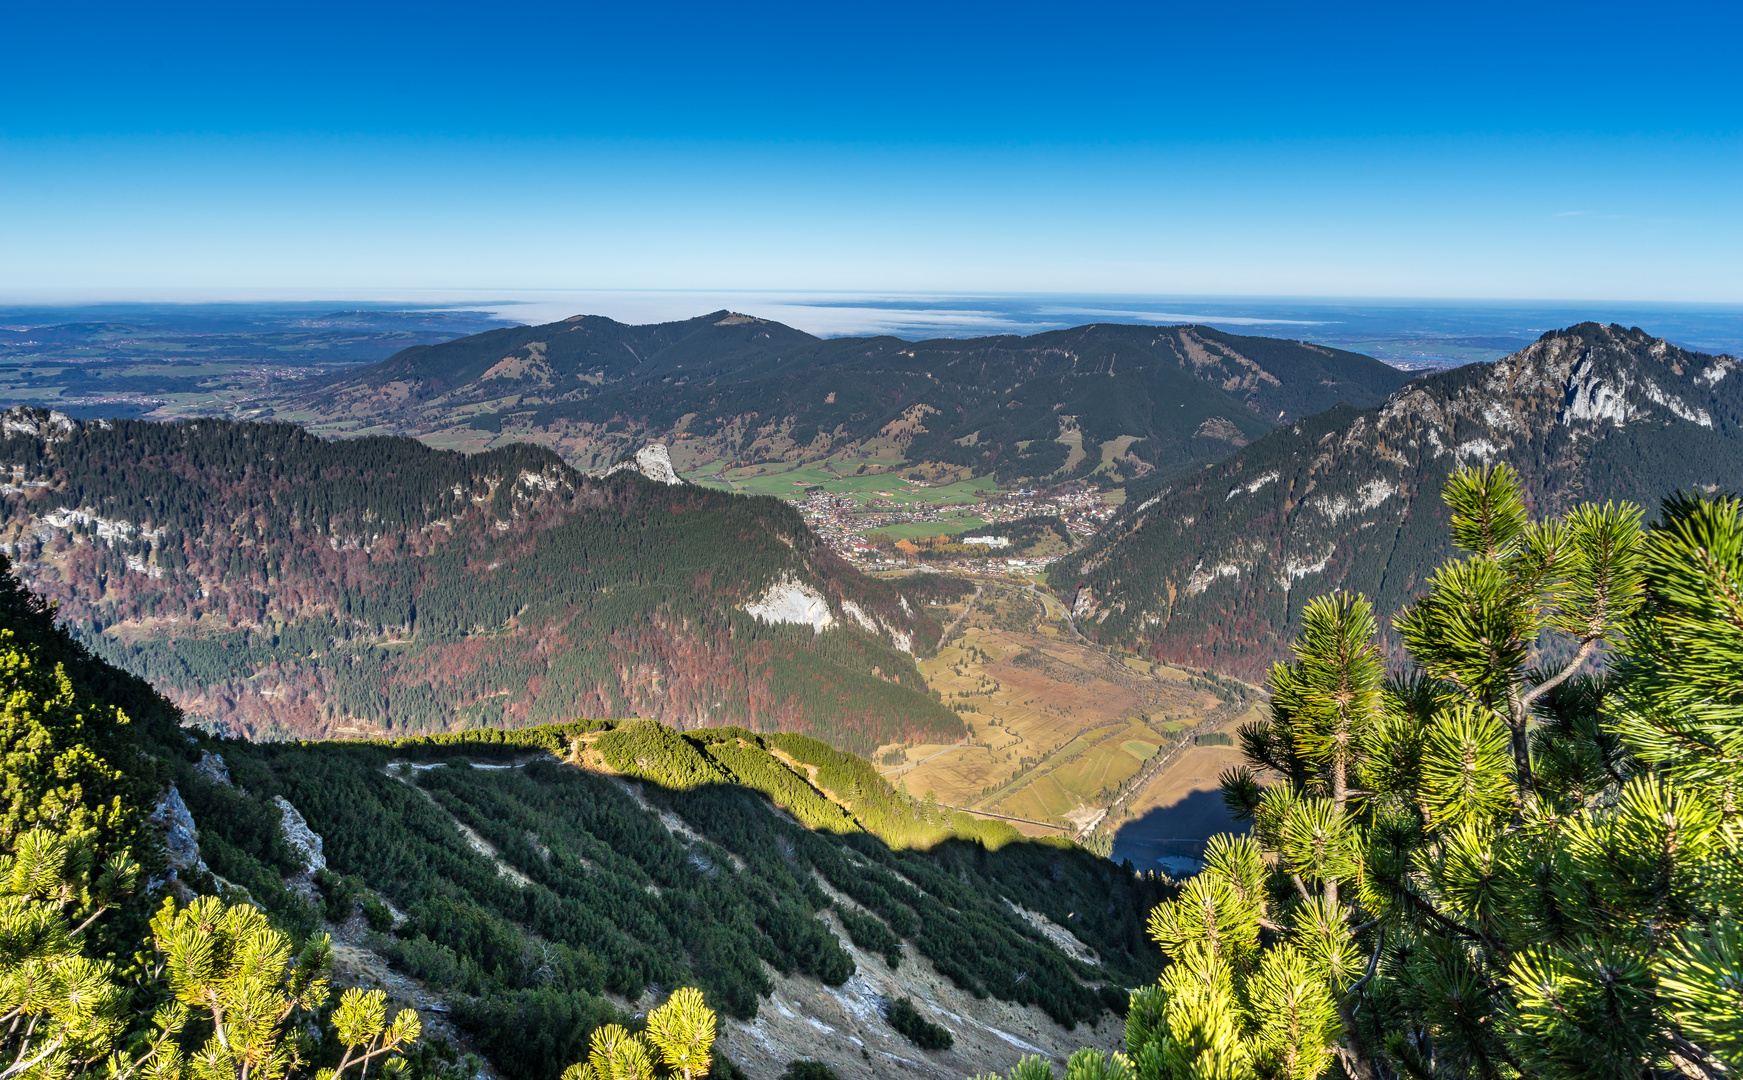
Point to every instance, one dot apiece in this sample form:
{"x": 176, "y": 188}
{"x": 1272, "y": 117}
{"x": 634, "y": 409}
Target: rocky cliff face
{"x": 1214, "y": 570}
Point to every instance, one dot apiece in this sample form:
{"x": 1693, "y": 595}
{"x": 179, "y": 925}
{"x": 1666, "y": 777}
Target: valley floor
{"x": 1067, "y": 738}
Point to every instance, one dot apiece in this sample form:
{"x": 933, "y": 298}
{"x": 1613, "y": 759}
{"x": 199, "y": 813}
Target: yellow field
{"x": 1057, "y": 726}
{"x": 1197, "y": 770}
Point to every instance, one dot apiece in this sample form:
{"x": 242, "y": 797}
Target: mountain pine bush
{"x": 1492, "y": 863}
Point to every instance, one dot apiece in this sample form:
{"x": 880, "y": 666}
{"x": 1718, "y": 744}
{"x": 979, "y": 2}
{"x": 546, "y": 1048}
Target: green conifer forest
{"x": 276, "y": 585}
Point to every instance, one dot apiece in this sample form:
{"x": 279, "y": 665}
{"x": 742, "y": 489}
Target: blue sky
{"x": 1584, "y": 151}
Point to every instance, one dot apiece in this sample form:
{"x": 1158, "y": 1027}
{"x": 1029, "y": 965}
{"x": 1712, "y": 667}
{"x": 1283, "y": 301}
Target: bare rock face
{"x": 846, "y": 1026}
{"x": 181, "y": 840}
{"x": 652, "y": 461}
{"x": 45, "y": 424}
{"x": 181, "y": 844}
{"x": 1083, "y": 603}
{"x": 303, "y": 840}
{"x": 212, "y": 767}
{"x": 792, "y": 601}
{"x": 306, "y": 844}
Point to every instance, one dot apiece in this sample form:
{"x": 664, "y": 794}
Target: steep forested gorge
{"x": 278, "y": 584}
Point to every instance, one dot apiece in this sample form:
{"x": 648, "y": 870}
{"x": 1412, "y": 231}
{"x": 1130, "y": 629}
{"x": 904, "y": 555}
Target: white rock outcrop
{"x": 29, "y": 421}
{"x": 212, "y": 767}
{"x": 792, "y": 601}
{"x": 304, "y": 841}
{"x": 181, "y": 839}
{"x": 652, "y": 461}
{"x": 858, "y": 615}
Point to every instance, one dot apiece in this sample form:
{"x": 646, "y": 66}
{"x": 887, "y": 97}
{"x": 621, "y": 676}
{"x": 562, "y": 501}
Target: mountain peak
{"x": 1215, "y": 568}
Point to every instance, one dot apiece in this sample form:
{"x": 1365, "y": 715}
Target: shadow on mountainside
{"x": 1173, "y": 832}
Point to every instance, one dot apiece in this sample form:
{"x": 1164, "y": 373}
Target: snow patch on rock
{"x": 792, "y": 602}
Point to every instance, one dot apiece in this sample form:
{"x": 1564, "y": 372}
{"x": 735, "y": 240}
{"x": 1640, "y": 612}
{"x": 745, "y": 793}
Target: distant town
{"x": 851, "y": 525}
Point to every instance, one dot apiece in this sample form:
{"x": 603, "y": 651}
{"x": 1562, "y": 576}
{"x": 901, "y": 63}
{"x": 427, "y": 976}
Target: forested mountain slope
{"x": 522, "y": 888}
{"x": 1120, "y": 399}
{"x": 281, "y": 585}
{"x": 1213, "y": 570}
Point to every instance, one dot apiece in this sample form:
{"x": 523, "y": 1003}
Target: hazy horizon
{"x": 1409, "y": 332}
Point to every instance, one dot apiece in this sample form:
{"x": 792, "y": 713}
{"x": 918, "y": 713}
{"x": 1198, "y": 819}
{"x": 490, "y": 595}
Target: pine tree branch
{"x": 1424, "y": 907}
{"x": 95, "y": 915}
{"x": 21, "y": 1066}
{"x": 1587, "y": 646}
{"x": 1709, "y": 1066}
{"x": 1373, "y": 964}
{"x": 133, "y": 1066}
{"x": 1353, "y": 1053}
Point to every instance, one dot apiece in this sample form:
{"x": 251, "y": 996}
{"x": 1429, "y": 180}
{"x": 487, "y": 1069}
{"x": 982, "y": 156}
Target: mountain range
{"x": 278, "y": 585}
{"x": 1213, "y": 569}
{"x": 1114, "y": 400}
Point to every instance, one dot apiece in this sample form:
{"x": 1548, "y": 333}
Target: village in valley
{"x": 890, "y": 520}
{"x": 882, "y": 531}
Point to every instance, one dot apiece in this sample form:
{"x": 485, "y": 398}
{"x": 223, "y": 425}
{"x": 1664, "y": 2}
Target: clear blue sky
{"x": 1589, "y": 151}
